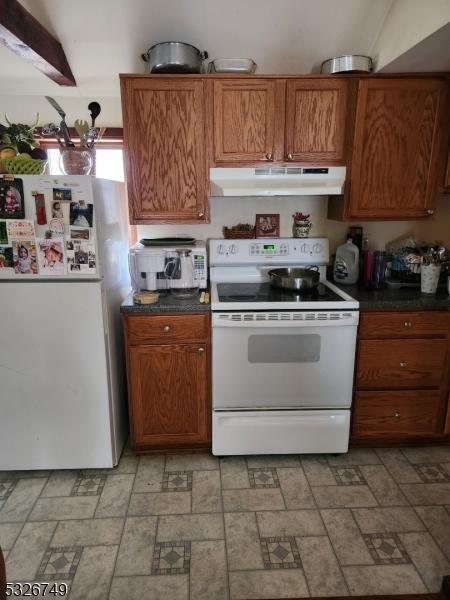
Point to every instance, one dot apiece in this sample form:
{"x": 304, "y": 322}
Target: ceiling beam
{"x": 24, "y": 35}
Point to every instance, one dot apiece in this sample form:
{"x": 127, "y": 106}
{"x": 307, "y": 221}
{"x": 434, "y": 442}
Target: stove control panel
{"x": 270, "y": 250}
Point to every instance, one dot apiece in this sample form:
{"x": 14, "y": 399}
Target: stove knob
{"x": 304, "y": 248}
{"x": 220, "y": 249}
{"x": 232, "y": 249}
{"x": 317, "y": 248}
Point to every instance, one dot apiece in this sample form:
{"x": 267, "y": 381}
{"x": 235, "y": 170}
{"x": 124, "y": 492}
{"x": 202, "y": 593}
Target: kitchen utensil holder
{"x": 76, "y": 161}
{"x": 429, "y": 278}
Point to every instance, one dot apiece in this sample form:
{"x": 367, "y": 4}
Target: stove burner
{"x": 264, "y": 292}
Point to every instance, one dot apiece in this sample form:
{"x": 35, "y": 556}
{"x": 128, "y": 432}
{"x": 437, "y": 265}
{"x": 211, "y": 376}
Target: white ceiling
{"x": 103, "y": 38}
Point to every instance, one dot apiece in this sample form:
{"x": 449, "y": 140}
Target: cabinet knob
{"x": 403, "y": 365}
{"x": 430, "y": 212}
{"x": 290, "y": 156}
{"x": 166, "y": 328}
{"x": 408, "y": 324}
{"x": 269, "y": 156}
{"x": 201, "y": 350}
{"x": 397, "y": 415}
{"x": 201, "y": 214}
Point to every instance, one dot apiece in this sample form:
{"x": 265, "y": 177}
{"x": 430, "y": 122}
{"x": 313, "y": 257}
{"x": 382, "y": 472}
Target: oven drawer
{"x": 280, "y": 432}
{"x": 403, "y": 324}
{"x": 171, "y": 328}
{"x": 395, "y": 413}
{"x": 390, "y": 364}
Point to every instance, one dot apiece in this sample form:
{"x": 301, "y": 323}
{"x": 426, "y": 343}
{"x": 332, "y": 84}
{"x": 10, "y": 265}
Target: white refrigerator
{"x": 63, "y": 275}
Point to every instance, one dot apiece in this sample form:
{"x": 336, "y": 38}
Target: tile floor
{"x": 193, "y": 527}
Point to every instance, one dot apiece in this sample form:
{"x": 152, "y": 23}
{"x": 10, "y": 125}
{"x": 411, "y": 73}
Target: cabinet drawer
{"x": 394, "y": 413}
{"x": 157, "y": 328}
{"x": 403, "y": 324}
{"x": 390, "y": 364}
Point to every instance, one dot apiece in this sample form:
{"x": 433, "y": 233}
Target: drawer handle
{"x": 166, "y": 328}
{"x": 408, "y": 324}
{"x": 403, "y": 365}
{"x": 397, "y": 415}
{"x": 200, "y": 350}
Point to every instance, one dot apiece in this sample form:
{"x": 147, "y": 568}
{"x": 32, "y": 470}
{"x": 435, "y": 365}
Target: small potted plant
{"x": 19, "y": 149}
{"x": 301, "y": 225}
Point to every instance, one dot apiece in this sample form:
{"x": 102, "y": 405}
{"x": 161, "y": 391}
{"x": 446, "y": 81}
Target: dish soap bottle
{"x": 346, "y": 264}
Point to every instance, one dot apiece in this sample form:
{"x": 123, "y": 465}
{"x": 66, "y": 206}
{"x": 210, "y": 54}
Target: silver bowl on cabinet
{"x": 348, "y": 63}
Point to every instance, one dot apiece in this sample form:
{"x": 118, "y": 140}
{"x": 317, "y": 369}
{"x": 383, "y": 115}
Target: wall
{"x": 230, "y": 211}
{"x": 407, "y": 23}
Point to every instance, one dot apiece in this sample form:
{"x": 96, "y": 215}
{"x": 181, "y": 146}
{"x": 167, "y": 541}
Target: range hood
{"x": 277, "y": 181}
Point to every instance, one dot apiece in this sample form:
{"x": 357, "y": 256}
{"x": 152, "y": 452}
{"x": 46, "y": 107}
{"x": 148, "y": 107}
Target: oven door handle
{"x": 253, "y": 321}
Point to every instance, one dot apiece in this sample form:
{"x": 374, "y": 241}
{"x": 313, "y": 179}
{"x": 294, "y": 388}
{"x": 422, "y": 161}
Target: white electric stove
{"x": 282, "y": 361}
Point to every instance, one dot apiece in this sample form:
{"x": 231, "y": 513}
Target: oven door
{"x": 283, "y": 360}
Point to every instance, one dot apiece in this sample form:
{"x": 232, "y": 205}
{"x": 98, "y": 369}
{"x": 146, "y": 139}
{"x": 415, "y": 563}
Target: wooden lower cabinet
{"x": 394, "y": 413}
{"x": 402, "y": 376}
{"x": 168, "y": 381}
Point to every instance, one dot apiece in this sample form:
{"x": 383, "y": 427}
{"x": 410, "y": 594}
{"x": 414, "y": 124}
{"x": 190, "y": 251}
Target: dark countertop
{"x": 403, "y": 298}
{"x": 168, "y": 303}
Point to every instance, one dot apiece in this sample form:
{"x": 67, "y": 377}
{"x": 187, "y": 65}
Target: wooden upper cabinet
{"x": 165, "y": 157}
{"x": 248, "y": 120}
{"x": 397, "y": 148}
{"x": 315, "y": 120}
{"x": 447, "y": 174}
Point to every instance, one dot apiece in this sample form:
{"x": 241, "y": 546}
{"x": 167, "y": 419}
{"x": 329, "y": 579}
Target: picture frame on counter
{"x": 267, "y": 225}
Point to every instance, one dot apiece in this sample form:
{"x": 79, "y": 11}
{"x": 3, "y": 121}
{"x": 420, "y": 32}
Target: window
{"x": 109, "y": 163}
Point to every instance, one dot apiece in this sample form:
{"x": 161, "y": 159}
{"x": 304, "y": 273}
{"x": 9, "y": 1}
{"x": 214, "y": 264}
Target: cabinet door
{"x": 315, "y": 120}
{"x": 164, "y": 138}
{"x": 169, "y": 395}
{"x": 397, "y": 144}
{"x": 247, "y": 116}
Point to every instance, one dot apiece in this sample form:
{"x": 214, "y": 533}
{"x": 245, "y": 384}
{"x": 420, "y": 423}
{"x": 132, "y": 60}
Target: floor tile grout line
{"x": 396, "y": 485}
{"x": 327, "y": 535}
{"x": 325, "y": 530}
{"x": 443, "y": 550}
{"x": 121, "y": 538}
{"x": 227, "y": 566}
{"x": 26, "y": 519}
{"x": 282, "y": 495}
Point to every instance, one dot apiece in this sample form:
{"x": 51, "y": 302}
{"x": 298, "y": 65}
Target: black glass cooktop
{"x": 264, "y": 292}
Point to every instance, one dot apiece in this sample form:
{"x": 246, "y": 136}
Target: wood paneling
{"x": 396, "y": 148}
{"x": 169, "y": 381}
{"x": 247, "y": 115}
{"x": 447, "y": 174}
{"x": 162, "y": 328}
{"x": 378, "y": 325}
{"x": 315, "y": 120}
{"x": 392, "y": 414}
{"x": 164, "y": 139}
